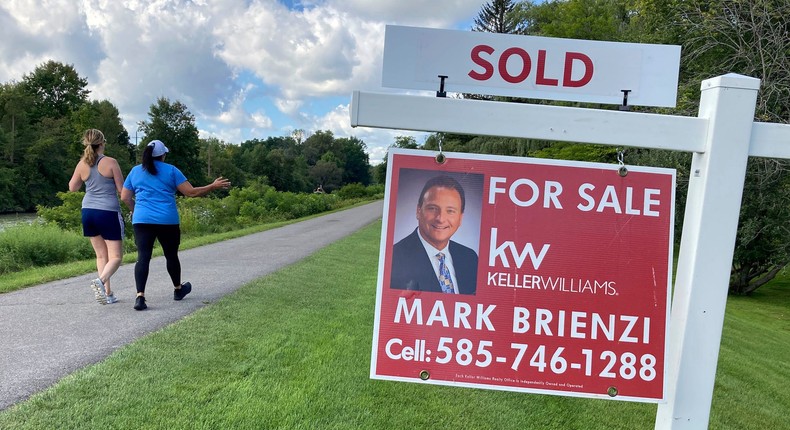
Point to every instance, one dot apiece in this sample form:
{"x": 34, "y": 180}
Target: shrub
{"x": 352, "y": 191}
{"x": 59, "y": 238}
{"x": 24, "y": 246}
{"x": 68, "y": 215}
{"x": 205, "y": 215}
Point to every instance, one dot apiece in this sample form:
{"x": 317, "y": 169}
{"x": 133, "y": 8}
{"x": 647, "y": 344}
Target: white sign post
{"x": 721, "y": 137}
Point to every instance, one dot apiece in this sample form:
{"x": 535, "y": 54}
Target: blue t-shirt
{"x": 154, "y": 196}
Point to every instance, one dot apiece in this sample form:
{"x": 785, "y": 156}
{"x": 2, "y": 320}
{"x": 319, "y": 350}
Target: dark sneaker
{"x": 139, "y": 303}
{"x": 182, "y": 292}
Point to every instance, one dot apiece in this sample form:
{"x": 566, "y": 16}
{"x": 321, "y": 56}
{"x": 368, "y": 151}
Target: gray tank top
{"x": 100, "y": 192}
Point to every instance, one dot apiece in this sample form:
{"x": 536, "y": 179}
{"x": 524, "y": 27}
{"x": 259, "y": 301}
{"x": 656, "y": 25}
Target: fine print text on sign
{"x": 529, "y": 66}
{"x": 559, "y": 273}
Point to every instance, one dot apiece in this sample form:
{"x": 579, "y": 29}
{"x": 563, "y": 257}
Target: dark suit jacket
{"x": 412, "y": 268}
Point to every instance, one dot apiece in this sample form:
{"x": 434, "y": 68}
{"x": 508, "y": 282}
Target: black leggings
{"x": 170, "y": 238}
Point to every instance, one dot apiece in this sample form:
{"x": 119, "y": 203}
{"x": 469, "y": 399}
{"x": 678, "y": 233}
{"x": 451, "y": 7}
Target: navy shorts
{"x": 107, "y": 224}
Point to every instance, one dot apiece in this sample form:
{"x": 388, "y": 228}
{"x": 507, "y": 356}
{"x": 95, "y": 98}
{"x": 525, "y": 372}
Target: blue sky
{"x": 245, "y": 68}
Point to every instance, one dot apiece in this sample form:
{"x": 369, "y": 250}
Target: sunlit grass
{"x": 292, "y": 351}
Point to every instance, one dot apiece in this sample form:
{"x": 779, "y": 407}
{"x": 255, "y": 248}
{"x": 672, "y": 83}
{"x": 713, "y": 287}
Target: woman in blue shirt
{"x": 149, "y": 190}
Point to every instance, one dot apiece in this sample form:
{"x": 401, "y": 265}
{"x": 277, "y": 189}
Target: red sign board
{"x": 559, "y": 275}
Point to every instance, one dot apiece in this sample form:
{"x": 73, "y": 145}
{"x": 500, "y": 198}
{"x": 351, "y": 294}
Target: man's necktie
{"x": 445, "y": 280}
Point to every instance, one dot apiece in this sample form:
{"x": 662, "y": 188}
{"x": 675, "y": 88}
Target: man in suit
{"x": 426, "y": 259}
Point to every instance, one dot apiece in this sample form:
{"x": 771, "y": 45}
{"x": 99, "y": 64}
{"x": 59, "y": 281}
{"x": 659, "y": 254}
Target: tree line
{"x": 43, "y": 116}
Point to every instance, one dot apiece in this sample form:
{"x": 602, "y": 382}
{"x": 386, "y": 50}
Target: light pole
{"x": 134, "y": 155}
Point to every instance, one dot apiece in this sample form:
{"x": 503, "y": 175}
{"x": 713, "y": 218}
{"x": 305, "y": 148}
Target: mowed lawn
{"x": 292, "y": 351}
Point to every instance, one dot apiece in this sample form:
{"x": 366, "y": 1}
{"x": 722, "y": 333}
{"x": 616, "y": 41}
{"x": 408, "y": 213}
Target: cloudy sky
{"x": 245, "y": 68}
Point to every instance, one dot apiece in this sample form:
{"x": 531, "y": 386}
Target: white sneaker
{"x": 98, "y": 290}
{"x": 111, "y": 298}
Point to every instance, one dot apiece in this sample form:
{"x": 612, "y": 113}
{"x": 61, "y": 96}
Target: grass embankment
{"x": 292, "y": 350}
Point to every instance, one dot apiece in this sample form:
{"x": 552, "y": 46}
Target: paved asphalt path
{"x": 51, "y": 330}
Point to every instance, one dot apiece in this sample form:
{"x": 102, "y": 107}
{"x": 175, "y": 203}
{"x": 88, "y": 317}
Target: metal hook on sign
{"x": 440, "y": 157}
{"x": 624, "y": 106}
{"x": 441, "y": 92}
{"x": 622, "y": 171}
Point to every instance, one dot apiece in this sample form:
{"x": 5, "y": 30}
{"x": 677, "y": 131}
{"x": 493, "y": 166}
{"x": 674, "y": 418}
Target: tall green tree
{"x": 749, "y": 37}
{"x": 15, "y": 105}
{"x": 279, "y": 159}
{"x": 380, "y": 170}
{"x": 581, "y": 19}
{"x": 56, "y": 90}
{"x": 174, "y": 124}
{"x": 218, "y": 156}
{"x": 104, "y": 116}
{"x": 326, "y": 173}
{"x": 318, "y": 144}
{"x": 498, "y": 16}
{"x": 354, "y": 160}
{"x": 48, "y": 163}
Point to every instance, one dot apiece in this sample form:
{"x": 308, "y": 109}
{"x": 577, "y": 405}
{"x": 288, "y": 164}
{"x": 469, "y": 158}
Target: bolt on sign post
{"x": 570, "y": 285}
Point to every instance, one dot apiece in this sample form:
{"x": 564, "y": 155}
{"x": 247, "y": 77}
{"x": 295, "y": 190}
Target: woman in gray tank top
{"x": 101, "y": 213}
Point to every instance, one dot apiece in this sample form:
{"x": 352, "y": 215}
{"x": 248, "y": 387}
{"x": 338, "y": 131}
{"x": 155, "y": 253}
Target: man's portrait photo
{"x": 437, "y": 231}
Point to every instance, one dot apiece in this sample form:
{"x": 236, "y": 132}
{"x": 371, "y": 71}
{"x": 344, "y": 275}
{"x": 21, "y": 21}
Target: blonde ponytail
{"x": 92, "y": 140}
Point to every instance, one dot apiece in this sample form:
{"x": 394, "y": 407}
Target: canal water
{"x": 7, "y": 220}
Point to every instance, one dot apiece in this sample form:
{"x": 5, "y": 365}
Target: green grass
{"x": 292, "y": 351}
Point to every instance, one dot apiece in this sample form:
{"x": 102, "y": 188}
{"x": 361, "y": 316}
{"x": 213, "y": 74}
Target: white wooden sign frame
{"x": 721, "y": 137}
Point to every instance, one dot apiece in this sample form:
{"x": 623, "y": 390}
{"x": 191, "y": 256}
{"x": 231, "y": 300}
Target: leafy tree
{"x": 405, "y": 142}
{"x": 218, "y": 156}
{"x": 318, "y": 144}
{"x": 42, "y": 119}
{"x": 173, "y": 124}
{"x": 354, "y": 160}
{"x": 762, "y": 248}
{"x": 327, "y": 174}
{"x": 497, "y": 16}
{"x": 104, "y": 116}
{"x": 14, "y": 119}
{"x": 48, "y": 164}
{"x": 747, "y": 37}
{"x": 279, "y": 159}
{"x": 580, "y": 19}
{"x": 56, "y": 90}
{"x": 9, "y": 185}
{"x": 380, "y": 171}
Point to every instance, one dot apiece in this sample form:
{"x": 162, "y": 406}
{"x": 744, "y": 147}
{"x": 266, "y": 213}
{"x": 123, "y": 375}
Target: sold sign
{"x": 481, "y": 56}
{"x": 532, "y": 67}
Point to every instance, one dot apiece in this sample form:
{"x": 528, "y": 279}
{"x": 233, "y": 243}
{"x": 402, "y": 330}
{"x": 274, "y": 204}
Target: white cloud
{"x": 245, "y": 68}
{"x": 411, "y": 12}
{"x": 288, "y": 106}
{"x": 377, "y": 140}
